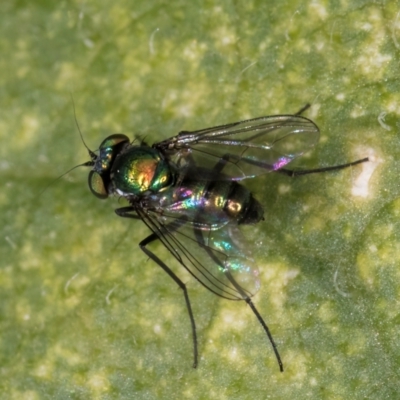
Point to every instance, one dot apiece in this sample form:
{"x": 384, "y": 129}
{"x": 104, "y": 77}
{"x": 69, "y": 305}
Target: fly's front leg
{"x": 126, "y": 212}
{"x": 152, "y": 256}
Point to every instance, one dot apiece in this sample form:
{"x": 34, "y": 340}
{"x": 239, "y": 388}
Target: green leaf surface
{"x": 84, "y": 314}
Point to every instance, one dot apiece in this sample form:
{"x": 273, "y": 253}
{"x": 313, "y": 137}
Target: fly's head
{"x": 100, "y": 176}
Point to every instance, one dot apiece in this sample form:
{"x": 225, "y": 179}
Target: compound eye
{"x": 97, "y": 185}
{"x": 110, "y": 147}
{"x": 114, "y": 140}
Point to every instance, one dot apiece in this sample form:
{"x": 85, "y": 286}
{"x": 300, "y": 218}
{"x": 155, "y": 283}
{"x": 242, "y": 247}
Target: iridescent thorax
{"x": 140, "y": 169}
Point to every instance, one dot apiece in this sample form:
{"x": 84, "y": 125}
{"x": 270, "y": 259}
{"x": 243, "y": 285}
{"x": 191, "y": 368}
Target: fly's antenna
{"x": 85, "y": 164}
{"x": 91, "y": 153}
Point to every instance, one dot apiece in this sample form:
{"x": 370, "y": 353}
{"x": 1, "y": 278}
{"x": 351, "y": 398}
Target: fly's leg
{"x": 126, "y": 212}
{"x": 219, "y": 166}
{"x": 200, "y": 238}
{"x": 266, "y": 329}
{"x": 245, "y": 297}
{"x": 258, "y": 315}
{"x": 293, "y": 173}
{"x": 302, "y": 109}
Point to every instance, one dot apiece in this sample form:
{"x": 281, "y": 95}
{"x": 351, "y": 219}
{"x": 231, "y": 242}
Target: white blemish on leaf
{"x": 381, "y": 120}
{"x": 245, "y": 69}
{"x": 283, "y": 189}
{"x": 290, "y": 275}
{"x": 151, "y": 41}
{"x": 395, "y": 26}
{"x": 360, "y": 185}
{"x": 66, "y": 287}
{"x": 336, "y": 285}
{"x": 318, "y": 9}
{"x": 357, "y": 111}
{"x": 290, "y": 23}
{"x": 108, "y": 301}
{"x": 340, "y": 97}
{"x": 10, "y": 242}
{"x": 88, "y": 43}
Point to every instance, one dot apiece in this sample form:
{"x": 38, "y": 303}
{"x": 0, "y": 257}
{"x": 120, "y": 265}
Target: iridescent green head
{"x": 99, "y": 177}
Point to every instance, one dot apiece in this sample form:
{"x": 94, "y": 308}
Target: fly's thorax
{"x": 140, "y": 170}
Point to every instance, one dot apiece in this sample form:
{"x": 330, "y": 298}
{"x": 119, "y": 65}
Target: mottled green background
{"x": 84, "y": 314}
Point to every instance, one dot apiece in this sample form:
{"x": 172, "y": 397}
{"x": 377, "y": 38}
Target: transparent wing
{"x": 217, "y": 259}
{"x": 244, "y": 149}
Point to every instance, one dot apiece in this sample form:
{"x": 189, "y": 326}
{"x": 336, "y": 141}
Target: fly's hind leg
{"x": 200, "y": 238}
{"x": 127, "y": 212}
{"x": 299, "y": 172}
{"x": 302, "y": 109}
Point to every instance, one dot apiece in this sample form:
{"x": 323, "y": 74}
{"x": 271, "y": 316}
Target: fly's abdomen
{"x": 237, "y": 202}
{"x": 210, "y": 204}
